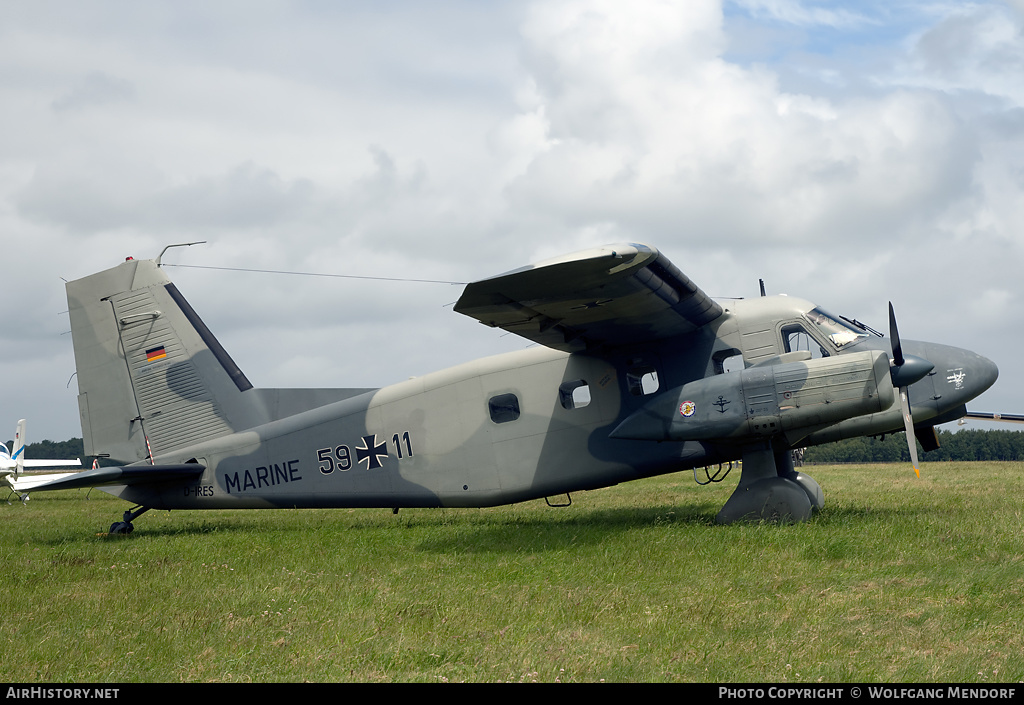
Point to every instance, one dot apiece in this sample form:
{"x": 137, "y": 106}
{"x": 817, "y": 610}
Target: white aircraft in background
{"x": 13, "y": 464}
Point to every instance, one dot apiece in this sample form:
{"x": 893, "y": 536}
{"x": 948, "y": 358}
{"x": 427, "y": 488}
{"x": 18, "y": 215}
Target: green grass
{"x": 899, "y": 579}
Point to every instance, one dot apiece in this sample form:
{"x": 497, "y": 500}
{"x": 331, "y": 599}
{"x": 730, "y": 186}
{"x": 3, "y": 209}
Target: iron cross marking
{"x": 371, "y": 452}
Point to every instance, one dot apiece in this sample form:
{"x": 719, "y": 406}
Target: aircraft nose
{"x": 986, "y": 373}
{"x": 965, "y": 374}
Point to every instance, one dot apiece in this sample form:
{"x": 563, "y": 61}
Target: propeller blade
{"x": 908, "y": 424}
{"x": 894, "y": 337}
{"x": 904, "y": 372}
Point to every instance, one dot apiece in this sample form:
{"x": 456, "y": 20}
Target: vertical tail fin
{"x": 18, "y": 451}
{"x": 150, "y": 373}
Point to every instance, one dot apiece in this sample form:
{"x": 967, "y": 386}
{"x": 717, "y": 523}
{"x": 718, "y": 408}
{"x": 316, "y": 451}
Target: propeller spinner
{"x": 905, "y": 370}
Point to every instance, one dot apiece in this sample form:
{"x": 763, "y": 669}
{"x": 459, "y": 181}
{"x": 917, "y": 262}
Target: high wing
{"x": 606, "y": 297}
{"x": 989, "y": 416}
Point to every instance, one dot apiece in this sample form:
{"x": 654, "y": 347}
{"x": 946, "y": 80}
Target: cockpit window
{"x": 834, "y": 328}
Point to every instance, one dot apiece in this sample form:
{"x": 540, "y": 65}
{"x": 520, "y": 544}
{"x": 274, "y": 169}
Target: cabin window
{"x": 642, "y": 380}
{"x": 797, "y": 339}
{"x": 574, "y": 394}
{"x": 726, "y": 361}
{"x": 504, "y": 408}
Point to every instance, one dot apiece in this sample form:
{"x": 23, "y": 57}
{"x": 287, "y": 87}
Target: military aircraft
{"x": 636, "y": 372}
{"x": 13, "y": 463}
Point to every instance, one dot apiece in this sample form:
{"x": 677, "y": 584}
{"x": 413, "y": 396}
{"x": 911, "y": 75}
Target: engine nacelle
{"x": 766, "y": 400}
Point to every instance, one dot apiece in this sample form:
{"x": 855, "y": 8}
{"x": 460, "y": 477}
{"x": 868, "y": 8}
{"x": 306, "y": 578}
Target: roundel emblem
{"x": 687, "y": 408}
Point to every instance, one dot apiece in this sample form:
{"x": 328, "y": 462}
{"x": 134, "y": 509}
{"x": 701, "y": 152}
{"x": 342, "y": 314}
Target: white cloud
{"x": 95, "y": 88}
{"x": 973, "y": 49}
{"x": 675, "y": 145}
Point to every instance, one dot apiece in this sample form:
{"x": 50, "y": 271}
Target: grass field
{"x": 899, "y": 579}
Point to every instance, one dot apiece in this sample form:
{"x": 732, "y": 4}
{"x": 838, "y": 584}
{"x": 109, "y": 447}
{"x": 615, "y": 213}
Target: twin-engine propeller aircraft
{"x": 637, "y": 373}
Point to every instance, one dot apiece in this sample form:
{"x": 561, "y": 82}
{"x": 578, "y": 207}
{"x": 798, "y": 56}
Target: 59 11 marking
{"x": 369, "y": 451}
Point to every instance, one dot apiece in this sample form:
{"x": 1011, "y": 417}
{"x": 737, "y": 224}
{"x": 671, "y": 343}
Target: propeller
{"x": 904, "y": 371}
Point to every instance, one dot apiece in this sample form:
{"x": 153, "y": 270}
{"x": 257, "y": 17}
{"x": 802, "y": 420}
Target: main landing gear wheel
{"x": 125, "y": 527}
{"x": 770, "y": 490}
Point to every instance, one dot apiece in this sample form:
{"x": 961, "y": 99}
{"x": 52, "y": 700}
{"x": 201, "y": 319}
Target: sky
{"x": 848, "y": 153}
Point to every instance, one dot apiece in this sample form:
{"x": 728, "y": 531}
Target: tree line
{"x": 54, "y": 450}
{"x": 964, "y": 445}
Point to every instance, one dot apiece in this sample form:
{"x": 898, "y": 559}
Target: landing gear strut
{"x": 771, "y": 489}
{"x": 125, "y": 525}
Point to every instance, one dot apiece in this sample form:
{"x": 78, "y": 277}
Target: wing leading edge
{"x": 601, "y": 298}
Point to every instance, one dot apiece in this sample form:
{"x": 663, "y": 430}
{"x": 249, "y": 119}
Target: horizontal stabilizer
{"x": 96, "y": 477}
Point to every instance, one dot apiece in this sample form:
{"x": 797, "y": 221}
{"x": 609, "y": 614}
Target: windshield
{"x": 834, "y": 328}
